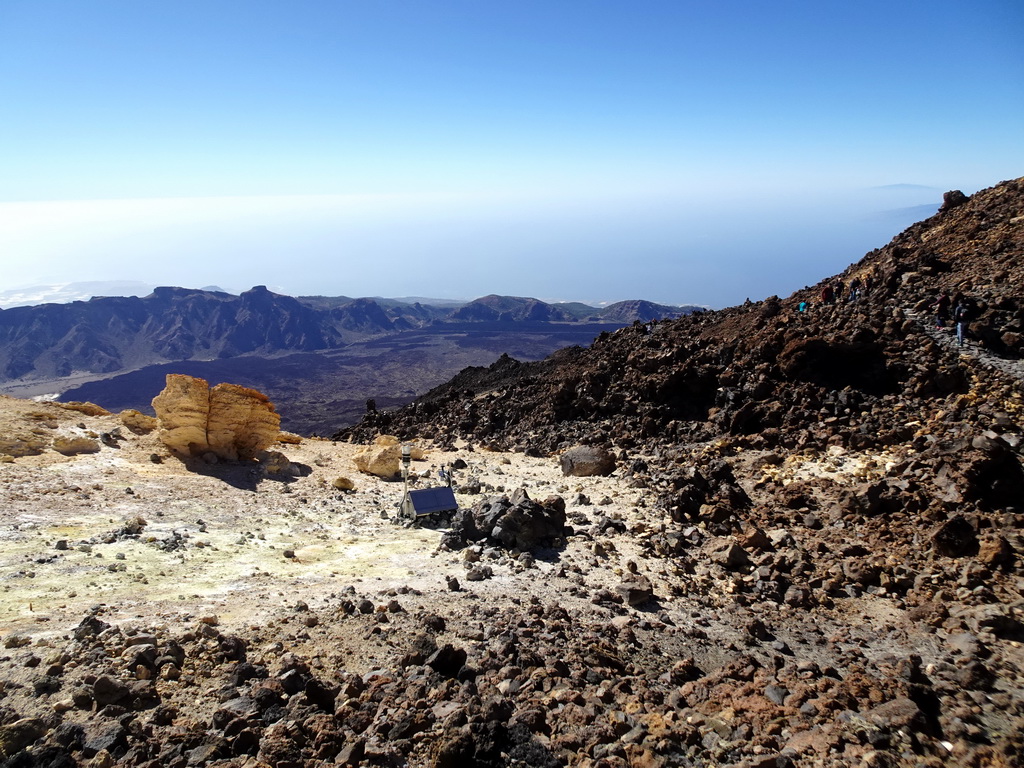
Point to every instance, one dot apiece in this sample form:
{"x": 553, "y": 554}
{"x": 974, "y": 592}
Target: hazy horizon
{"x": 785, "y": 245}
{"x": 673, "y": 151}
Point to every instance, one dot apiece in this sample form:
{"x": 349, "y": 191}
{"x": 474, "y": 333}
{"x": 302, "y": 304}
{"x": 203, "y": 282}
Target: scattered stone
{"x": 731, "y": 556}
{"x": 636, "y": 589}
{"x": 71, "y": 446}
{"x": 109, "y": 690}
{"x": 996, "y": 552}
{"x": 479, "y": 572}
{"x": 276, "y": 463}
{"x": 447, "y": 660}
{"x": 343, "y": 483}
{"x": 587, "y": 461}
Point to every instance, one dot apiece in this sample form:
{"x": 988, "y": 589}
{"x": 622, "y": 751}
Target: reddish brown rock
{"x": 587, "y": 461}
{"x": 995, "y": 552}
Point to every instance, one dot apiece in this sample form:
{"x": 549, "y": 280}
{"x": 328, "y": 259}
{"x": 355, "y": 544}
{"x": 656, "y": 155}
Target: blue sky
{"x": 678, "y": 151}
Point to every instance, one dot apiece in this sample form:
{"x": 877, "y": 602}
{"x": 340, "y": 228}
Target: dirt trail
{"x": 947, "y": 338}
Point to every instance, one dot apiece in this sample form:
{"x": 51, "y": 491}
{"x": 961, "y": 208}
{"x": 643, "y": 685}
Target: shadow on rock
{"x": 514, "y": 523}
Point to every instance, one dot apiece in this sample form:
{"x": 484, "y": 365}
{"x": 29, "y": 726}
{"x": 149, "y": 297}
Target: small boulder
{"x": 89, "y": 409}
{"x": 275, "y": 463}
{"x": 635, "y": 589}
{"x": 952, "y": 199}
{"x": 516, "y": 523}
{"x": 72, "y": 446}
{"x": 343, "y": 484}
{"x": 16, "y": 447}
{"x": 587, "y": 461}
{"x": 731, "y": 556}
{"x": 109, "y": 690}
{"x": 380, "y": 460}
{"x": 138, "y": 422}
{"x": 996, "y": 552}
{"x": 15, "y": 736}
{"x": 447, "y": 660}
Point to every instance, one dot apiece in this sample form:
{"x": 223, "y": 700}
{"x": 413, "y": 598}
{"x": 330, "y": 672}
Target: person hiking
{"x": 854, "y": 292}
{"x": 960, "y": 315}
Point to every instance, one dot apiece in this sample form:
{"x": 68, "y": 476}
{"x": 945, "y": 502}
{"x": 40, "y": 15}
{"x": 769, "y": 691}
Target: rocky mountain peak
{"x": 766, "y": 372}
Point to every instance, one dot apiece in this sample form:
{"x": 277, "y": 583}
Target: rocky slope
{"x": 767, "y": 374}
{"x": 807, "y": 554}
{"x": 320, "y": 391}
{"x": 728, "y": 418}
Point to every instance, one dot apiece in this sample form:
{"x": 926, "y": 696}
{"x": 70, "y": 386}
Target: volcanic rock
{"x": 138, "y": 422}
{"x": 276, "y": 463}
{"x": 587, "y": 461}
{"x": 447, "y": 660}
{"x": 18, "y": 735}
{"x": 21, "y": 447}
{"x": 343, "y": 483}
{"x": 516, "y": 523}
{"x": 635, "y": 589}
{"x": 730, "y": 555}
{"x": 996, "y": 552}
{"x": 89, "y": 409}
{"x": 231, "y": 422}
{"x": 70, "y": 446}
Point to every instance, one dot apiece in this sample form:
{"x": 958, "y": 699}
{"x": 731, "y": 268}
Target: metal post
{"x": 406, "y": 461}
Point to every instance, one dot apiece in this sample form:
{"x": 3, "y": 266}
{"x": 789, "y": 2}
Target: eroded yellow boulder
{"x": 228, "y": 420}
{"x": 380, "y": 460}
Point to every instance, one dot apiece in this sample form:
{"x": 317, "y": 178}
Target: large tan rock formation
{"x": 230, "y": 421}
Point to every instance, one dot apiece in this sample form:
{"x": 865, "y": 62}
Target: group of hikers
{"x": 836, "y": 291}
{"x": 833, "y": 292}
{"x": 955, "y": 309}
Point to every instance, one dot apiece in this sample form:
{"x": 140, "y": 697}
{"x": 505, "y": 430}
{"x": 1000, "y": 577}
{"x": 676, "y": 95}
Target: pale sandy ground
{"x": 255, "y": 547}
{"x": 238, "y": 526}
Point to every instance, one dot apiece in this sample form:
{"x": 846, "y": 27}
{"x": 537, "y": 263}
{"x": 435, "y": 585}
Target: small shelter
{"x": 426, "y": 502}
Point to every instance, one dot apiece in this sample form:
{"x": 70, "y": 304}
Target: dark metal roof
{"x": 425, "y": 501}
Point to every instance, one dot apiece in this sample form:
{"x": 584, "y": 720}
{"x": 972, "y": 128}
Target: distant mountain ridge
{"x": 111, "y": 334}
